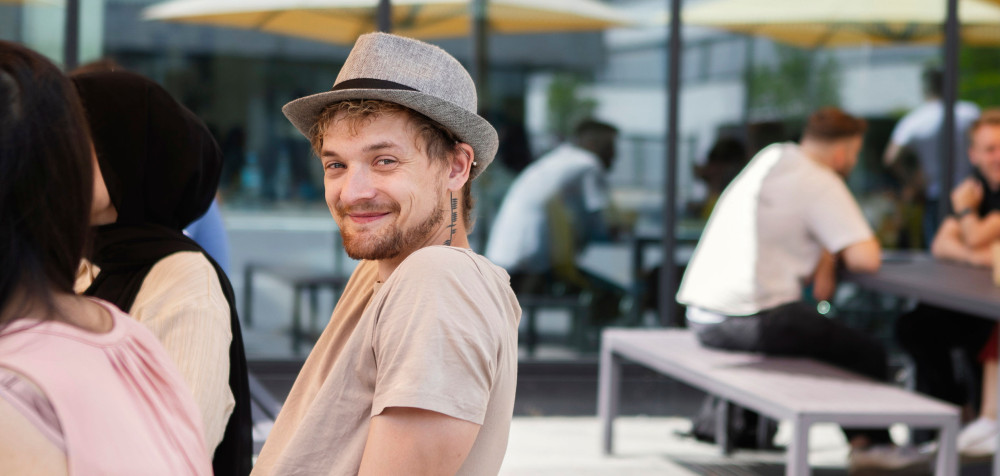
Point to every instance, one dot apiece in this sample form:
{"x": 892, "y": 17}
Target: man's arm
{"x": 412, "y": 441}
{"x": 863, "y": 257}
{"x": 974, "y": 231}
{"x": 891, "y": 153}
{"x": 980, "y": 232}
{"x": 948, "y": 244}
{"x": 824, "y": 280}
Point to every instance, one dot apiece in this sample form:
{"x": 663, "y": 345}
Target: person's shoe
{"x": 882, "y": 458}
{"x": 978, "y": 438}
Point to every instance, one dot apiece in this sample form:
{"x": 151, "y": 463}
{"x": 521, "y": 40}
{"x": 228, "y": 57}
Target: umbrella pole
{"x": 71, "y": 36}
{"x": 950, "y": 93}
{"x": 668, "y": 272}
{"x": 748, "y": 66}
{"x": 383, "y": 17}
{"x": 480, "y": 52}
{"x": 480, "y": 70}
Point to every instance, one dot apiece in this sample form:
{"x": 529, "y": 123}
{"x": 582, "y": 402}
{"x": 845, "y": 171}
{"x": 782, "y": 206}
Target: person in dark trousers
{"x": 783, "y": 224}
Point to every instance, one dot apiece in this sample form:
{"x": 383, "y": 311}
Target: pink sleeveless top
{"x": 120, "y": 402}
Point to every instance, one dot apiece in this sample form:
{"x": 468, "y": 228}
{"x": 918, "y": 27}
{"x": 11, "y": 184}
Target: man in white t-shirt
{"x": 571, "y": 177}
{"x": 920, "y": 132}
{"x": 784, "y": 224}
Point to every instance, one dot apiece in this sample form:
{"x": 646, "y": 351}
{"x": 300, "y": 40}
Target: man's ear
{"x": 843, "y": 149}
{"x": 462, "y": 159}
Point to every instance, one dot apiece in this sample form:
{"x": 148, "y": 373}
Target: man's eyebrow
{"x": 326, "y": 152}
{"x": 380, "y": 146}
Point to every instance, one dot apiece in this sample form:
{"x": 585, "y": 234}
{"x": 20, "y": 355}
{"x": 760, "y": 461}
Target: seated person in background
{"x": 784, "y": 223}
{"x": 929, "y": 333}
{"x": 84, "y": 389}
{"x": 158, "y": 168}
{"x": 571, "y": 179}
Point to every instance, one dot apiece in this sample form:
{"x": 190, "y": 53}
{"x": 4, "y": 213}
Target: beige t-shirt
{"x": 440, "y": 334}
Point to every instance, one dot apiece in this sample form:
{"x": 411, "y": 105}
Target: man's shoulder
{"x": 435, "y": 260}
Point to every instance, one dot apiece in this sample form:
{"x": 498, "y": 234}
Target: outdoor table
{"x": 959, "y": 287}
{"x": 625, "y": 264}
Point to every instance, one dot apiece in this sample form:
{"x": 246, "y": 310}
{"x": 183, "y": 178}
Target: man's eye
{"x": 385, "y": 161}
{"x": 335, "y": 165}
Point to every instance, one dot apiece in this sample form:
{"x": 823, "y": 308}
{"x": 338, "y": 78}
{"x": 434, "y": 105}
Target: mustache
{"x": 366, "y": 207}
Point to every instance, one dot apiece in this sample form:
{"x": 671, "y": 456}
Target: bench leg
{"x": 722, "y": 438}
{"x": 608, "y": 391}
{"x": 946, "y": 463}
{"x": 798, "y": 450}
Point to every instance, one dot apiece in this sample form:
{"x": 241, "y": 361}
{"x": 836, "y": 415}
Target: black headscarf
{"x": 161, "y": 166}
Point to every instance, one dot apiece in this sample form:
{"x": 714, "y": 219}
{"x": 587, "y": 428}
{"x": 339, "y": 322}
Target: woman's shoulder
{"x": 182, "y": 277}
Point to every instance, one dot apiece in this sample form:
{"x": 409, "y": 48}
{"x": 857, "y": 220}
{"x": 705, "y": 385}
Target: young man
{"x": 780, "y": 226}
{"x": 415, "y": 373}
{"x": 930, "y": 334}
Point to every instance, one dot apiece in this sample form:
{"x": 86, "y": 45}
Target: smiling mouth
{"x": 362, "y": 218}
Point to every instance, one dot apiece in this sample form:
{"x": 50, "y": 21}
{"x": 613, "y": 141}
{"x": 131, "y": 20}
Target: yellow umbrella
{"x": 341, "y": 21}
{"x": 833, "y": 23}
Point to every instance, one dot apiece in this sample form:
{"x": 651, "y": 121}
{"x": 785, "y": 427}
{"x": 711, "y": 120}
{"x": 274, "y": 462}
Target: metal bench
{"x": 799, "y": 390}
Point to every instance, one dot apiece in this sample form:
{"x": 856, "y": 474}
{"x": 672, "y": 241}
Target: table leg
{"x": 313, "y": 310}
{"x": 946, "y": 463}
{"x": 531, "y": 336}
{"x": 798, "y": 450}
{"x": 636, "y": 286}
{"x": 608, "y": 391}
{"x": 722, "y": 436}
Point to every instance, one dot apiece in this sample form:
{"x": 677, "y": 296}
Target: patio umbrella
{"x": 341, "y": 21}
{"x": 833, "y": 23}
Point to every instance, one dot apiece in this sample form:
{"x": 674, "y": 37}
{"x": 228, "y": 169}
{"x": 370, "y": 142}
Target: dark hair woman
{"x": 83, "y": 388}
{"x": 161, "y": 168}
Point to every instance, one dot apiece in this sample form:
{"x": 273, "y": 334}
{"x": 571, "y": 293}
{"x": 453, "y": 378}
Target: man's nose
{"x": 358, "y": 186}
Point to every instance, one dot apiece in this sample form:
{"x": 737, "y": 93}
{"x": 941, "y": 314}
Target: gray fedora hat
{"x": 411, "y": 73}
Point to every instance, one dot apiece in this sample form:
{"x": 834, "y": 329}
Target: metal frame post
{"x": 668, "y": 273}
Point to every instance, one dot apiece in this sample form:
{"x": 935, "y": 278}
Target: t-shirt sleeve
{"x": 835, "y": 218}
{"x": 903, "y": 133}
{"x": 435, "y": 348}
{"x": 595, "y": 191}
